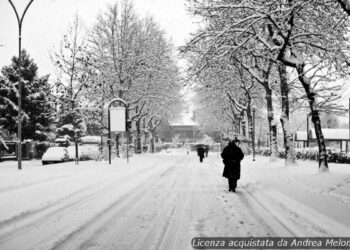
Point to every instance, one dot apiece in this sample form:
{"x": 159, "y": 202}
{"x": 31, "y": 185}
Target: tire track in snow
{"x": 170, "y": 239}
{"x": 305, "y": 221}
{"x": 86, "y": 235}
{"x": 163, "y": 200}
{"x": 239, "y": 219}
{"x": 159, "y": 221}
{"x": 250, "y": 216}
{"x": 35, "y": 219}
{"x": 343, "y": 183}
{"x": 275, "y": 213}
{"x": 152, "y": 238}
{"x": 328, "y": 192}
{"x": 152, "y": 231}
{"x": 273, "y": 223}
{"x": 33, "y": 184}
{"x": 25, "y": 215}
{"x": 75, "y": 195}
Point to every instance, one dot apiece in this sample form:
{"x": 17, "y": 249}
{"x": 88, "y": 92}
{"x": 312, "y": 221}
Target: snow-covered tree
{"x": 311, "y": 39}
{"x": 135, "y": 60}
{"x": 214, "y": 45}
{"x": 306, "y": 36}
{"x": 5, "y": 103}
{"x": 36, "y": 100}
{"x": 74, "y": 75}
{"x": 7, "y": 106}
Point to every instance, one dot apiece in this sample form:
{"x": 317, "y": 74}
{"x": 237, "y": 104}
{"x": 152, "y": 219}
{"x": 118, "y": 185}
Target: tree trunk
{"x": 305, "y": 81}
{"x": 250, "y": 124}
{"x": 243, "y": 125}
{"x": 138, "y": 137}
{"x": 147, "y": 142}
{"x": 288, "y": 138}
{"x": 272, "y": 123}
{"x": 152, "y": 142}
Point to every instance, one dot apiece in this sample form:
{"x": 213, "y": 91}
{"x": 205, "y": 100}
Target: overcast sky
{"x": 47, "y": 20}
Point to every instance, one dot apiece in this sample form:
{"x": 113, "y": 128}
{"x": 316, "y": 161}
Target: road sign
{"x": 118, "y": 119}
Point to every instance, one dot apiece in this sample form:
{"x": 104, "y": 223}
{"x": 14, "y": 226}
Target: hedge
{"x": 334, "y": 154}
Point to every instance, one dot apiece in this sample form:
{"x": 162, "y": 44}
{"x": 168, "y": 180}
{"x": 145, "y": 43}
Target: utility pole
{"x": 19, "y": 125}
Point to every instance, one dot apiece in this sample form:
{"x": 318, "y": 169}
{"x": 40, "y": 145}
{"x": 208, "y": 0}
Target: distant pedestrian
{"x": 200, "y": 152}
{"x": 206, "y": 150}
{"x": 232, "y": 156}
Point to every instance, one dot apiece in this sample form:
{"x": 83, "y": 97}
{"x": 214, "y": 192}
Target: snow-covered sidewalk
{"x": 162, "y": 201}
{"x": 308, "y": 202}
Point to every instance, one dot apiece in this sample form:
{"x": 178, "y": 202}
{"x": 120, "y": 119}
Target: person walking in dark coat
{"x": 200, "y": 152}
{"x": 206, "y": 150}
{"x": 232, "y": 156}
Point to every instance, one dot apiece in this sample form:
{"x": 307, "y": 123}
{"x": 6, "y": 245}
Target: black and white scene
{"x": 147, "y": 124}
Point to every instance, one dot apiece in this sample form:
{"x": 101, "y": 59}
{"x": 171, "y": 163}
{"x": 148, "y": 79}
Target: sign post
{"x": 117, "y": 119}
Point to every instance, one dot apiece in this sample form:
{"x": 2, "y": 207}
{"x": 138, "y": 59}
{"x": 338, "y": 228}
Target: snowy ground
{"x": 162, "y": 201}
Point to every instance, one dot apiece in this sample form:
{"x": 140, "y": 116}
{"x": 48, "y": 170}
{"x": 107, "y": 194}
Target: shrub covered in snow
{"x": 263, "y": 151}
{"x": 40, "y": 148}
{"x": 334, "y": 154}
{"x": 91, "y": 139}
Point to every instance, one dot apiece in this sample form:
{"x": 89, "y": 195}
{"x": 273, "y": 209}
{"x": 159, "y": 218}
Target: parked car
{"x": 55, "y": 154}
{"x": 63, "y": 142}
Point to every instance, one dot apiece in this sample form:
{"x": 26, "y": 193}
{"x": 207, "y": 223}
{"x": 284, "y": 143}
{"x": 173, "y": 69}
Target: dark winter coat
{"x": 200, "y": 152}
{"x": 232, "y": 156}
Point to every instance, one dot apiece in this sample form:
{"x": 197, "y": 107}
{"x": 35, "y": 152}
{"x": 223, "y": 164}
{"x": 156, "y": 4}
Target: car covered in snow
{"x": 54, "y": 155}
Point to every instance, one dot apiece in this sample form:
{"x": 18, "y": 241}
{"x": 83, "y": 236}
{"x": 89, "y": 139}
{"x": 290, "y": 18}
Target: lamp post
{"x": 19, "y": 126}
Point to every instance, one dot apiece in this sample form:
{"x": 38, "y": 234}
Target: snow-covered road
{"x": 162, "y": 201}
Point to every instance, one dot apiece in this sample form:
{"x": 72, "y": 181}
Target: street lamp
{"x": 19, "y": 126}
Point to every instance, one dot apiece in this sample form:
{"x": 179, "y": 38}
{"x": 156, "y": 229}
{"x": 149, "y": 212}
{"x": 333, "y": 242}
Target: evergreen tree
{"x": 5, "y": 90}
{"x": 8, "y": 107}
{"x": 35, "y": 99}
